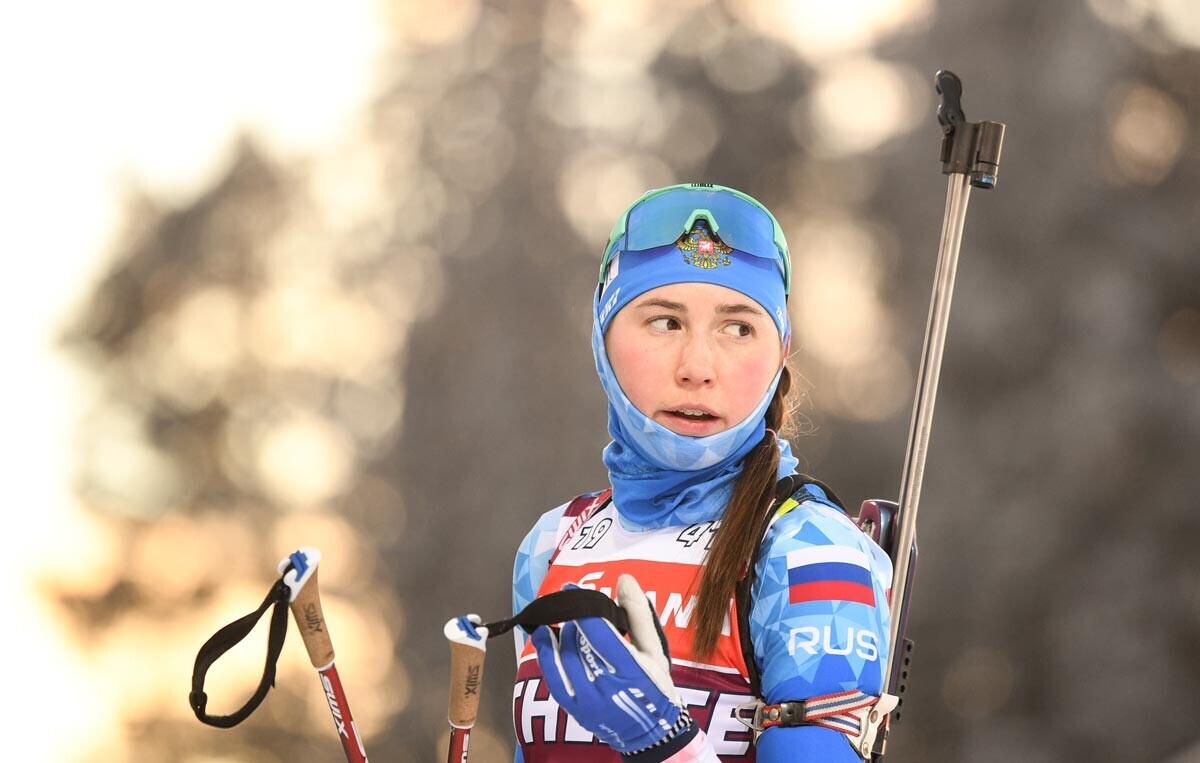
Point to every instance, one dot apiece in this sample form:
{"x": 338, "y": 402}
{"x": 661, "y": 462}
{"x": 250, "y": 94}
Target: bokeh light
{"x": 840, "y": 317}
{"x": 861, "y": 103}
{"x": 1150, "y": 20}
{"x": 1147, "y": 130}
{"x": 426, "y": 25}
{"x": 821, "y": 31}
{"x": 598, "y": 184}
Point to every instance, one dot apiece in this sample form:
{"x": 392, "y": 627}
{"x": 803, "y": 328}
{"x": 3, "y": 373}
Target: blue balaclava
{"x": 660, "y": 478}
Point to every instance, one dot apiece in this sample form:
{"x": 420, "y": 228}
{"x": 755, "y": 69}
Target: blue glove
{"x": 620, "y": 691}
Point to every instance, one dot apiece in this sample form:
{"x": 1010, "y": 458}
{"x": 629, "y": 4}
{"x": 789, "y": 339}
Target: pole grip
{"x": 306, "y": 609}
{"x": 468, "y": 648}
{"x": 466, "y": 678}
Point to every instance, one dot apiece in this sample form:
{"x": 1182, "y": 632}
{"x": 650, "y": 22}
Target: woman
{"x": 691, "y": 335}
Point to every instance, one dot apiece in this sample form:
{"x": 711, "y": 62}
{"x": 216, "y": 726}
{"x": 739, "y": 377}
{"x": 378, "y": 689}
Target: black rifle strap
{"x": 561, "y": 606}
{"x": 791, "y": 486}
{"x": 225, "y": 639}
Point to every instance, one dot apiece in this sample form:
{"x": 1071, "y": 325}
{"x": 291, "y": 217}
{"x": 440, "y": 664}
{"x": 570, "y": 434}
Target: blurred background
{"x": 319, "y": 273}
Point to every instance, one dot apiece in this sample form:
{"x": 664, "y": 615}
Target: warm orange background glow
{"x": 233, "y": 228}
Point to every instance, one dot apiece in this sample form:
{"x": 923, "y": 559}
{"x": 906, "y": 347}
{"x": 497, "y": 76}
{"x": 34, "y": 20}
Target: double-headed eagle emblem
{"x": 702, "y": 249}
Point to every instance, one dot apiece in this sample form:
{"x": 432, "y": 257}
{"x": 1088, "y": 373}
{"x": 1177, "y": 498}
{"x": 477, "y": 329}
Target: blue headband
{"x": 698, "y": 257}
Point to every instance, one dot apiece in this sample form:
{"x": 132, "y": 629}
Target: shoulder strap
{"x": 791, "y": 489}
{"x": 582, "y": 508}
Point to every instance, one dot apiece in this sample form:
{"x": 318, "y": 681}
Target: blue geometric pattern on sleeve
{"x": 532, "y": 563}
{"x": 817, "y": 646}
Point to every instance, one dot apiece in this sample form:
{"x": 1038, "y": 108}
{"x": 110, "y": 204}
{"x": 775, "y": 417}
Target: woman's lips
{"x": 691, "y": 425}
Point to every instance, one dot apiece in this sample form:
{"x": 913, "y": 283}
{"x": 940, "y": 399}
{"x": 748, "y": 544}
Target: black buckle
{"x": 786, "y": 714}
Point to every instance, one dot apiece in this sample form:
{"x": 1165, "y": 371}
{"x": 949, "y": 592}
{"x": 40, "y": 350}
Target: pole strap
{"x": 225, "y": 639}
{"x": 559, "y": 607}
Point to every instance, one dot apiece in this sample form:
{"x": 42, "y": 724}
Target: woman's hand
{"x": 619, "y": 690}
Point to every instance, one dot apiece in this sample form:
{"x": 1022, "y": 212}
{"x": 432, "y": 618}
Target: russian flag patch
{"x": 829, "y": 573}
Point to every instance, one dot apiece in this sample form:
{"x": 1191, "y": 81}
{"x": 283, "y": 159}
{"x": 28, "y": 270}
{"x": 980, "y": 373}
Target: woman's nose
{"x": 697, "y": 363}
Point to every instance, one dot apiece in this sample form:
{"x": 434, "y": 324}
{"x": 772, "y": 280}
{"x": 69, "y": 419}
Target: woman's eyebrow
{"x": 665, "y": 304}
{"x": 738, "y": 308}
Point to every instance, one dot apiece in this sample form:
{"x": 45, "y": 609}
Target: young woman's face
{"x": 694, "y": 357}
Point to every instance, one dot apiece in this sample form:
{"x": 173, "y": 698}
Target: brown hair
{"x": 734, "y": 541}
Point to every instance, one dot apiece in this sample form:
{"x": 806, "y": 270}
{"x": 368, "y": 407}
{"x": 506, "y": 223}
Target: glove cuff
{"x": 681, "y": 734}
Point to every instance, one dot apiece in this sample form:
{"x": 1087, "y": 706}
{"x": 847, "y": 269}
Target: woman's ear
{"x": 787, "y": 348}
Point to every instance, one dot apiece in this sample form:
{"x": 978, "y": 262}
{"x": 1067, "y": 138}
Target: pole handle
{"x": 310, "y": 618}
{"x": 300, "y": 575}
{"x": 468, "y": 648}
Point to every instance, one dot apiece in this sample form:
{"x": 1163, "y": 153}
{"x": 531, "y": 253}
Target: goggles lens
{"x": 661, "y": 217}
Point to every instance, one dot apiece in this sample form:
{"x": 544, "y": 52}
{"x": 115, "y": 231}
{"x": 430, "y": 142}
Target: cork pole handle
{"x": 468, "y": 647}
{"x": 299, "y": 572}
{"x": 310, "y": 618}
{"x": 466, "y": 679}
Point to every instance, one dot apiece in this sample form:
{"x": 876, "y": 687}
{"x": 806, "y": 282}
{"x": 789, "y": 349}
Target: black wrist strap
{"x": 561, "y": 606}
{"x": 224, "y": 640}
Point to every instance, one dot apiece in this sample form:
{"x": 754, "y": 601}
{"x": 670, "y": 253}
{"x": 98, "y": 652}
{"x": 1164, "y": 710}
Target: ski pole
{"x": 970, "y": 156}
{"x": 468, "y": 648}
{"x": 300, "y": 575}
{"x": 297, "y": 587}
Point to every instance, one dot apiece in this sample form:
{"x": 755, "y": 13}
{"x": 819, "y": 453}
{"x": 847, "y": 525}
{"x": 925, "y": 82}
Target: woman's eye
{"x": 739, "y": 329}
{"x": 665, "y": 323}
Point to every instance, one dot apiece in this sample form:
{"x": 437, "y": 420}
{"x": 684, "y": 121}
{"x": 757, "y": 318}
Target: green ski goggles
{"x": 661, "y": 216}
